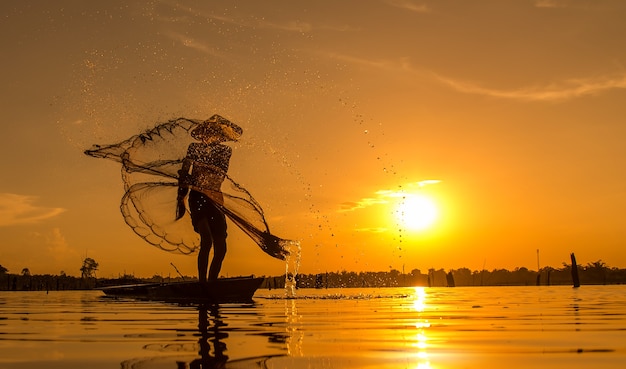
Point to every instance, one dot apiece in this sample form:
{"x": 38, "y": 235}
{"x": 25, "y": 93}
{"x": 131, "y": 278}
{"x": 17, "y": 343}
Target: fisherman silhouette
{"x": 201, "y": 177}
{"x": 161, "y": 161}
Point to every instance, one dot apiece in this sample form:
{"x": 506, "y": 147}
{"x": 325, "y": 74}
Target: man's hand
{"x": 183, "y": 177}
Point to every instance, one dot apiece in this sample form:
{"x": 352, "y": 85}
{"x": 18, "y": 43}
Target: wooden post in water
{"x": 548, "y": 277}
{"x": 575, "y": 278}
{"x": 538, "y": 270}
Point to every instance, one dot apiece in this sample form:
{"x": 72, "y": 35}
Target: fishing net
{"x": 150, "y": 164}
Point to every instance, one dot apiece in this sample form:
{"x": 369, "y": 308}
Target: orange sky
{"x": 514, "y": 110}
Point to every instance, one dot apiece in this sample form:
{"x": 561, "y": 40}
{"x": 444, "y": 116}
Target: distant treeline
{"x": 44, "y": 282}
{"x": 592, "y": 273}
{"x": 48, "y": 282}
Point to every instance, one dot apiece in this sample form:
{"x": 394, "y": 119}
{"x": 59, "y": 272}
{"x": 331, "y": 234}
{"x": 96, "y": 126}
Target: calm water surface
{"x": 478, "y": 327}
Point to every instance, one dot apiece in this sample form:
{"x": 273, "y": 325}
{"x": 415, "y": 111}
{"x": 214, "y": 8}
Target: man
{"x": 201, "y": 176}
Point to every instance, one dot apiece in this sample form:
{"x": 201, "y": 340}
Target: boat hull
{"x": 223, "y": 290}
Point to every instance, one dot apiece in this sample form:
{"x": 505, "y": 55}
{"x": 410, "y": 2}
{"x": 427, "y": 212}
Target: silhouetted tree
{"x": 3, "y": 269}
{"x": 26, "y": 272}
{"x": 598, "y": 270}
{"x": 89, "y": 268}
{"x": 546, "y": 273}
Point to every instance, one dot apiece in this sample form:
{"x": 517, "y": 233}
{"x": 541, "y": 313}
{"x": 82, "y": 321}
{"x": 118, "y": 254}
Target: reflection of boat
{"x": 223, "y": 290}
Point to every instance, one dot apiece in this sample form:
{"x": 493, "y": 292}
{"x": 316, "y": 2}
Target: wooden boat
{"x": 223, "y": 290}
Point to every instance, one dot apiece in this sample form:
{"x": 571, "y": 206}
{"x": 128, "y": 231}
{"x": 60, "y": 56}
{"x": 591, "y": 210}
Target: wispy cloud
{"x": 246, "y": 22}
{"x": 355, "y": 60}
{"x": 572, "y": 4}
{"x": 362, "y": 203}
{"x": 290, "y": 26}
{"x": 417, "y": 7}
{"x": 195, "y": 44}
{"x": 566, "y": 89}
{"x": 58, "y": 245}
{"x": 546, "y": 4}
{"x": 421, "y": 184}
{"x": 563, "y": 90}
{"x": 552, "y": 3}
{"x": 384, "y": 196}
{"x": 20, "y": 209}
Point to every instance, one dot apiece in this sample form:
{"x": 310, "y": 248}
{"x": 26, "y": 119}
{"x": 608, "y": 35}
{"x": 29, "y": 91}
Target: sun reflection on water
{"x": 295, "y": 335}
{"x": 422, "y": 325}
{"x": 419, "y": 304}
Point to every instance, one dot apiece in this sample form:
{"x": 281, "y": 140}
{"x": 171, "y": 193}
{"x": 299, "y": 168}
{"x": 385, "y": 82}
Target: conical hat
{"x": 217, "y": 126}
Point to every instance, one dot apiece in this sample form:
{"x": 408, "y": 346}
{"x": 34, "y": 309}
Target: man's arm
{"x": 183, "y": 175}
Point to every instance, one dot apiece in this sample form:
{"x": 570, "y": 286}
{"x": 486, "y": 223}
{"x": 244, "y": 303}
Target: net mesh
{"x": 150, "y": 164}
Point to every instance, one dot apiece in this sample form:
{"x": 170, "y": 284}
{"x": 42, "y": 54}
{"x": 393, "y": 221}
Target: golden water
{"x": 480, "y": 327}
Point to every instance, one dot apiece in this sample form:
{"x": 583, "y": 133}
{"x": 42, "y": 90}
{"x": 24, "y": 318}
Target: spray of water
{"x": 292, "y": 264}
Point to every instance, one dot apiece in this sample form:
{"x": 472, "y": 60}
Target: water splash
{"x": 292, "y": 264}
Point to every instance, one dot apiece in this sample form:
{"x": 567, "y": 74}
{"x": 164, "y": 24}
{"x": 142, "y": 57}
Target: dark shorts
{"x": 201, "y": 207}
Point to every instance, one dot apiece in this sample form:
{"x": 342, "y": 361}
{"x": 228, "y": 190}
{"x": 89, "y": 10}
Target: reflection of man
{"x": 208, "y": 161}
{"x": 213, "y": 334}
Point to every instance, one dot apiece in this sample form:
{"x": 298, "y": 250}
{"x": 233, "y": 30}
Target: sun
{"x": 416, "y": 212}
